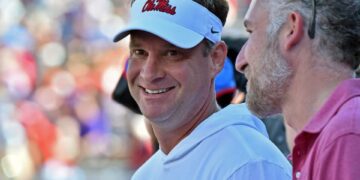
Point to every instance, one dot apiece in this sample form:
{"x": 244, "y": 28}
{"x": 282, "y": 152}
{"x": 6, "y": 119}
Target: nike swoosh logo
{"x": 214, "y": 31}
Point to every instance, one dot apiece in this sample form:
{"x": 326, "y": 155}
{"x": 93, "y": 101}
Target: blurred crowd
{"x": 58, "y": 67}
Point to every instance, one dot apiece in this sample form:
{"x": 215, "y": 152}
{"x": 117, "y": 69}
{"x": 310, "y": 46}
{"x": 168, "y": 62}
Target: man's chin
{"x": 261, "y": 114}
{"x": 258, "y": 108}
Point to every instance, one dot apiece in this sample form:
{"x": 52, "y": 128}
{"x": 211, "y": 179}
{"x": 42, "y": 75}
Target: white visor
{"x": 183, "y": 23}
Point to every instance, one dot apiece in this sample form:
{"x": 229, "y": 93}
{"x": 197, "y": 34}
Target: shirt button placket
{"x": 298, "y": 174}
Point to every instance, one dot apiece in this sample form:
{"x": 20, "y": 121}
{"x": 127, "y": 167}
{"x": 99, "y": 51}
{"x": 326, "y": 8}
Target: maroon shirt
{"x": 329, "y": 145}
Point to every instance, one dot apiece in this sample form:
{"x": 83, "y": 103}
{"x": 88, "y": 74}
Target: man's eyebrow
{"x": 133, "y": 44}
{"x": 170, "y": 46}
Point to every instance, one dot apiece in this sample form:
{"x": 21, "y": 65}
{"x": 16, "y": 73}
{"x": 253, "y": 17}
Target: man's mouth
{"x": 158, "y": 91}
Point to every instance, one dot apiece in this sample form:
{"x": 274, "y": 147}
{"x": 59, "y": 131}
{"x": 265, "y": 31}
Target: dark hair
{"x": 339, "y": 22}
{"x": 337, "y": 27}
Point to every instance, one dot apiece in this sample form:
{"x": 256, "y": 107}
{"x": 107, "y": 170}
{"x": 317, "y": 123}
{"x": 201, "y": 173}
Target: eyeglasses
{"x": 311, "y": 30}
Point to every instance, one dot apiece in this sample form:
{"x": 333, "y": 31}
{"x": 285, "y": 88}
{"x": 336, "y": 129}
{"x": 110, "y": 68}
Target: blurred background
{"x": 58, "y": 70}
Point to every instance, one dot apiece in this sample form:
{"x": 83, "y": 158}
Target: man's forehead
{"x": 254, "y": 5}
{"x": 139, "y": 37}
{"x": 257, "y": 8}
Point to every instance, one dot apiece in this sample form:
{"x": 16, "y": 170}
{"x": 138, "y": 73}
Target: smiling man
{"x": 175, "y": 54}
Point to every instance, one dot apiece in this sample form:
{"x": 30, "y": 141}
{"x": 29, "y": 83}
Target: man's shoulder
{"x": 239, "y": 114}
{"x": 151, "y": 166}
{"x": 345, "y": 121}
{"x": 241, "y": 147}
{"x": 242, "y": 144}
{"x": 246, "y": 138}
{"x": 347, "y": 116}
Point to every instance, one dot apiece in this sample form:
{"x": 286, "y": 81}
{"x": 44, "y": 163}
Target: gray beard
{"x": 267, "y": 91}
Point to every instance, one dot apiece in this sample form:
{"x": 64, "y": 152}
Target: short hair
{"x": 337, "y": 28}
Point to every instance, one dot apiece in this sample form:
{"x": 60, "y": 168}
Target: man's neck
{"x": 169, "y": 138}
{"x": 308, "y": 92}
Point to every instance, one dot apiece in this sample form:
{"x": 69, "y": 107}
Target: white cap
{"x": 183, "y": 23}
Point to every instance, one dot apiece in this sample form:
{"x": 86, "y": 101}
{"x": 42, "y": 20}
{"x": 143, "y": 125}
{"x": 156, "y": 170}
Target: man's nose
{"x": 152, "y": 69}
{"x": 241, "y": 62}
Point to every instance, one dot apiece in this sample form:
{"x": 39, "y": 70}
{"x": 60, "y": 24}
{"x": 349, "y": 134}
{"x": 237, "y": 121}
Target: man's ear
{"x": 218, "y": 55}
{"x": 293, "y": 30}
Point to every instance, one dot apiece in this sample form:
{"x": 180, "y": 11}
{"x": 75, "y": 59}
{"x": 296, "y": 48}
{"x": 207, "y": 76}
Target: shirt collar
{"x": 343, "y": 92}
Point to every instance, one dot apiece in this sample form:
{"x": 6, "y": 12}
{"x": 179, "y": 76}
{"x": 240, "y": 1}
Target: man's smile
{"x": 158, "y": 91}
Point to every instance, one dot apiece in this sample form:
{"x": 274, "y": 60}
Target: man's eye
{"x": 136, "y": 53}
{"x": 172, "y": 53}
{"x": 139, "y": 52}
